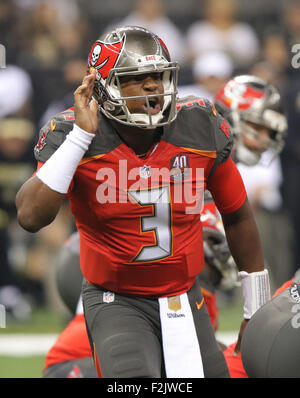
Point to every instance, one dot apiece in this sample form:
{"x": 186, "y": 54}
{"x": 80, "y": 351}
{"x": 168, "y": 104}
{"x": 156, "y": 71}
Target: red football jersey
{"x": 72, "y": 343}
{"x": 234, "y": 363}
{"x": 138, "y": 218}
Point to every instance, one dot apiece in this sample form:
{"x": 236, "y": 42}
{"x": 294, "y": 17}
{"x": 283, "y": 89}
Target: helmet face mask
{"x": 250, "y": 100}
{"x": 251, "y": 144}
{"x": 131, "y": 51}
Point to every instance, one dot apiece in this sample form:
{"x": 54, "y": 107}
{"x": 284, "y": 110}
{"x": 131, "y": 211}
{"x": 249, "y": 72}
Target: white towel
{"x": 180, "y": 343}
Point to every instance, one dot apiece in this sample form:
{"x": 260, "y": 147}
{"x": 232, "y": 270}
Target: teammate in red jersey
{"x": 70, "y": 356}
{"x": 135, "y": 177}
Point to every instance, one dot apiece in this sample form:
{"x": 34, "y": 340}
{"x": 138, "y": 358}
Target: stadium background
{"x": 46, "y": 44}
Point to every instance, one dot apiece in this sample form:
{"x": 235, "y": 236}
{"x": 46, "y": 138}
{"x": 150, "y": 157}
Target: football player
{"x": 135, "y": 174}
{"x": 253, "y": 108}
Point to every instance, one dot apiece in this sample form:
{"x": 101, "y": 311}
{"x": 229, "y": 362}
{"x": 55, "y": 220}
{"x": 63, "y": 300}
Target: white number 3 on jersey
{"x": 160, "y": 223}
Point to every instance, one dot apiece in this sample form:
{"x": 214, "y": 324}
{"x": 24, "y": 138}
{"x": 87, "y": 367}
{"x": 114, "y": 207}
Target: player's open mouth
{"x": 155, "y": 107}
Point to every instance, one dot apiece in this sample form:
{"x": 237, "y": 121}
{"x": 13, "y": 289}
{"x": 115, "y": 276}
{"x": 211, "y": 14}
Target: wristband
{"x": 256, "y": 290}
{"x": 58, "y": 171}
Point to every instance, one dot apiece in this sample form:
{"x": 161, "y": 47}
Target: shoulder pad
{"x": 199, "y": 126}
{"x": 53, "y": 134}
{"x": 191, "y": 101}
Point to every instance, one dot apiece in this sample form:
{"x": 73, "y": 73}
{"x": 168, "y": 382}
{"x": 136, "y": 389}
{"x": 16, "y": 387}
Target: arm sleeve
{"x": 40, "y": 164}
{"x": 227, "y": 187}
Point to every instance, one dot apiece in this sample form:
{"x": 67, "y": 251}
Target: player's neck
{"x": 140, "y": 140}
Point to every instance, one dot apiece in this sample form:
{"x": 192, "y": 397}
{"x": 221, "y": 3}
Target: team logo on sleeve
{"x": 104, "y": 56}
{"x": 41, "y": 142}
{"x": 225, "y": 128}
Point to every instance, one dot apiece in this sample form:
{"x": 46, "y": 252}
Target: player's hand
{"x": 238, "y": 344}
{"x": 86, "y": 111}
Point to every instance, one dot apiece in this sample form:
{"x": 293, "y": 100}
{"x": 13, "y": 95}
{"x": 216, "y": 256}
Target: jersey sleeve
{"x": 53, "y": 134}
{"x": 222, "y": 136}
{"x": 227, "y": 187}
{"x": 200, "y": 127}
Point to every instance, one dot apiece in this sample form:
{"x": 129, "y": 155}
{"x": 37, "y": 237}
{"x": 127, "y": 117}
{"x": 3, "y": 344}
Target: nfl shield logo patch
{"x": 174, "y": 303}
{"x": 108, "y": 297}
{"x": 145, "y": 172}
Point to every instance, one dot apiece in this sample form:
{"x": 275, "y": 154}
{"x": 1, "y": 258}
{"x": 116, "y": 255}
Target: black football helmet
{"x": 248, "y": 98}
{"x": 132, "y": 50}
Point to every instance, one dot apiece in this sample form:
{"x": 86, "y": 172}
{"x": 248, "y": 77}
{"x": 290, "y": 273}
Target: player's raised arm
{"x": 39, "y": 199}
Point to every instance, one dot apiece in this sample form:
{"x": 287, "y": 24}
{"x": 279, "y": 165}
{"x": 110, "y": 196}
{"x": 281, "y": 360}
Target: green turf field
{"x": 21, "y": 367}
{"x": 45, "y": 322}
{"x": 41, "y": 321}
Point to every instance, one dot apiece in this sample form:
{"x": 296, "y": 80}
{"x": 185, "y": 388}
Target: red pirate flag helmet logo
{"x": 241, "y": 95}
{"x": 104, "y": 56}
